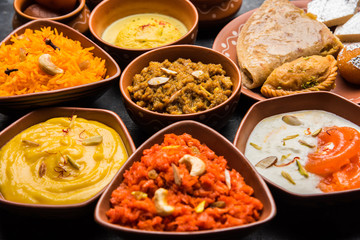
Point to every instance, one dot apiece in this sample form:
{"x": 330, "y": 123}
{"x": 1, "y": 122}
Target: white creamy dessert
{"x": 350, "y": 31}
{"x": 333, "y": 12}
{"x": 273, "y": 137}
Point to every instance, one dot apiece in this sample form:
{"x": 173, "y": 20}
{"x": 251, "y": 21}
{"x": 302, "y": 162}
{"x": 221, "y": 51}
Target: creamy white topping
{"x": 333, "y": 12}
{"x": 352, "y": 26}
{"x": 270, "y": 133}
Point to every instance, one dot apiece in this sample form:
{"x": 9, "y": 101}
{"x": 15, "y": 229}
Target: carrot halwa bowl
{"x": 185, "y": 178}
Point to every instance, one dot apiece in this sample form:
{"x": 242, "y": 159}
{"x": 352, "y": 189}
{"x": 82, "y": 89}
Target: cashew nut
{"x": 197, "y": 166}
{"x": 48, "y": 66}
{"x": 161, "y": 205}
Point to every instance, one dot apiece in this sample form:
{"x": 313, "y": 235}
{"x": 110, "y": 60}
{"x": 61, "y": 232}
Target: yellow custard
{"x": 148, "y": 30}
{"x": 60, "y": 161}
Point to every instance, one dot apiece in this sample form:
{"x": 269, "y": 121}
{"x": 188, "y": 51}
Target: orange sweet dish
{"x": 218, "y": 197}
{"x": 337, "y": 159}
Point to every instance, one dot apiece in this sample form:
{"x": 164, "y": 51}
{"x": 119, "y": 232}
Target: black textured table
{"x": 292, "y": 221}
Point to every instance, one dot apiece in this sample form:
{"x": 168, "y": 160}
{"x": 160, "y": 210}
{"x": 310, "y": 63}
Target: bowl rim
{"x": 123, "y": 127}
{"x": 70, "y": 14}
{"x": 180, "y": 116}
{"x": 58, "y": 26}
{"x": 289, "y": 98}
{"x": 178, "y": 125}
{"x": 140, "y": 50}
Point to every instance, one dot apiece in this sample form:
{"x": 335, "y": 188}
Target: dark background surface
{"x": 293, "y": 220}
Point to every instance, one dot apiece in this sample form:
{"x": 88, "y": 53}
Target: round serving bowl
{"x": 326, "y": 101}
{"x": 106, "y": 117}
{"x": 216, "y": 11}
{"x": 86, "y": 92}
{"x": 109, "y": 11}
{"x": 77, "y": 19}
{"x": 151, "y": 121}
{"x": 221, "y": 147}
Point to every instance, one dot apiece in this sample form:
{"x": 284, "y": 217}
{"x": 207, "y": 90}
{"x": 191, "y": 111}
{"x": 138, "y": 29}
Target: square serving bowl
{"x": 222, "y": 147}
{"x": 326, "y": 101}
{"x": 106, "y": 117}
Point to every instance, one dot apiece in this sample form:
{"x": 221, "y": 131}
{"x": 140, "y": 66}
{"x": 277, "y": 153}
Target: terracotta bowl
{"x": 151, "y": 121}
{"x": 326, "y": 101}
{"x": 216, "y": 11}
{"x": 109, "y": 11}
{"x": 77, "y": 19}
{"x": 106, "y": 117}
{"x": 88, "y": 92}
{"x": 222, "y": 147}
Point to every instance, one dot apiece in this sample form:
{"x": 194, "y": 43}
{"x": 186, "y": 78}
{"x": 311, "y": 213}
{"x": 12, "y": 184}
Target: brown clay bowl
{"x": 86, "y": 92}
{"x": 151, "y": 121}
{"x": 326, "y": 101}
{"x": 109, "y": 11}
{"x": 222, "y": 147}
{"x": 216, "y": 11}
{"x": 106, "y": 117}
{"x": 77, "y": 19}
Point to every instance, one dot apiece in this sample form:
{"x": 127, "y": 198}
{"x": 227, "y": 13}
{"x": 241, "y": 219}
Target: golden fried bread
{"x": 276, "y": 33}
{"x": 304, "y": 74}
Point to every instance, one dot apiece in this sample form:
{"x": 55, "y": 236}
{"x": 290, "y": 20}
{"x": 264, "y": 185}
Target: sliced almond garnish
{"x": 158, "y": 80}
{"x": 267, "y": 162}
{"x": 227, "y": 178}
{"x": 42, "y": 169}
{"x": 291, "y": 120}
{"x": 197, "y": 73}
{"x": 177, "y": 177}
{"x": 168, "y": 71}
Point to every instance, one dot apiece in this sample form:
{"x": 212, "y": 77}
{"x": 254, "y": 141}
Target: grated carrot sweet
{"x": 23, "y": 54}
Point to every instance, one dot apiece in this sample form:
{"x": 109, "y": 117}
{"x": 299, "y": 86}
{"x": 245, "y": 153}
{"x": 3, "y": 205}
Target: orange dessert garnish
{"x": 336, "y": 146}
{"x": 347, "y": 178}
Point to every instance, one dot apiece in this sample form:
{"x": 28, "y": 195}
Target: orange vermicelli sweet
{"x": 337, "y": 159}
{"x": 215, "y": 198}
{"x": 22, "y": 71}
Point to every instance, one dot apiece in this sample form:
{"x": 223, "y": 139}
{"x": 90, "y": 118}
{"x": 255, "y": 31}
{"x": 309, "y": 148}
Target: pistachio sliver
{"x": 91, "y": 141}
{"x": 288, "y": 177}
{"x": 72, "y": 162}
{"x": 177, "y": 177}
{"x": 255, "y": 146}
{"x": 290, "y": 137}
{"x": 200, "y": 207}
{"x": 30, "y": 143}
{"x": 291, "y": 120}
{"x": 302, "y": 170}
{"x": 314, "y": 134}
{"x": 302, "y": 142}
{"x": 158, "y": 80}
{"x": 267, "y": 162}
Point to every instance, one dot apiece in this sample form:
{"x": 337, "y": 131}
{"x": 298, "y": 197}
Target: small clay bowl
{"x": 77, "y": 19}
{"x": 222, "y": 147}
{"x": 216, "y": 11}
{"x": 151, "y": 121}
{"x": 86, "y": 92}
{"x": 106, "y": 117}
{"x": 326, "y": 101}
{"x": 107, "y": 12}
